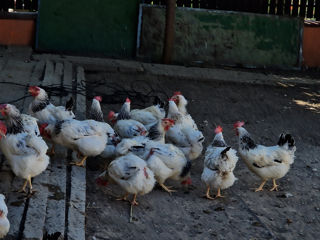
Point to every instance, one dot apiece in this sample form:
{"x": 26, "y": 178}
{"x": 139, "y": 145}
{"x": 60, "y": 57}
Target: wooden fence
{"x": 309, "y": 9}
{"x": 19, "y": 5}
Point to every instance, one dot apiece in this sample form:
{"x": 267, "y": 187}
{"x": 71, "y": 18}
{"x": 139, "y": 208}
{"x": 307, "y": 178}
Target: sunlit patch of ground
{"x": 308, "y": 105}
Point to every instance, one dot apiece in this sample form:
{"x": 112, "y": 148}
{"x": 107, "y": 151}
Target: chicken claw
{"x": 260, "y": 188}
{"x": 134, "y": 202}
{"x": 208, "y": 194}
{"x": 81, "y": 163}
{"x": 275, "y": 186}
{"x": 167, "y": 188}
{"x": 219, "y": 194}
{"x": 123, "y": 198}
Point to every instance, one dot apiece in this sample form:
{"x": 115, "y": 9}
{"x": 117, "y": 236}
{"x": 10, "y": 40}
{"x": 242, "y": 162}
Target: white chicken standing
{"x": 184, "y": 134}
{"x": 46, "y": 112}
{"x": 267, "y": 162}
{"x": 133, "y": 175}
{"x": 30, "y": 124}
{"x": 113, "y": 139}
{"x": 25, "y": 152}
{"x": 4, "y": 222}
{"x": 124, "y": 125}
{"x": 219, "y": 163}
{"x": 88, "y": 138}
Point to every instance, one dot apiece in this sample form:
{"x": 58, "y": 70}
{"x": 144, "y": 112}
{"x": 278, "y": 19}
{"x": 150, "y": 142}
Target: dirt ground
{"x": 268, "y": 110}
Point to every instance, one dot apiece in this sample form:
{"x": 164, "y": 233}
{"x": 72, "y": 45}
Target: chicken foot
{"x": 260, "y": 188}
{"x": 219, "y": 194}
{"x": 275, "y": 186}
{"x": 208, "y": 194}
{"x": 81, "y": 163}
{"x": 167, "y": 188}
{"x": 123, "y": 198}
{"x": 134, "y": 202}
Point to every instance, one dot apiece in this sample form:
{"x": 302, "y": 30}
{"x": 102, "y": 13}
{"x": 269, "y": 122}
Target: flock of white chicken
{"x": 145, "y": 146}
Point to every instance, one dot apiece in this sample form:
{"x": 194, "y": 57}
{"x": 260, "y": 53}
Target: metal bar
{"x": 295, "y": 7}
{"x": 310, "y": 8}
{"x": 317, "y": 10}
{"x": 303, "y": 8}
{"x": 169, "y": 31}
{"x": 287, "y": 7}
{"x": 272, "y": 7}
{"x": 280, "y": 7}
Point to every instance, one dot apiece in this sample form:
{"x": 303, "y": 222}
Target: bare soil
{"x": 291, "y": 213}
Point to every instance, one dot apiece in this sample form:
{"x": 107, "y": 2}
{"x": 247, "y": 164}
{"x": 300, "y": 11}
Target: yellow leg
{"x": 124, "y": 198}
{"x": 81, "y": 163}
{"x": 23, "y": 189}
{"x": 167, "y": 188}
{"x": 134, "y": 202}
{"x": 30, "y": 184}
{"x": 219, "y": 194}
{"x": 208, "y": 194}
{"x": 260, "y": 188}
{"x": 275, "y": 186}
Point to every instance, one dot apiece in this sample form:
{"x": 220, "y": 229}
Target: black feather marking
{"x": 124, "y": 113}
{"x": 58, "y": 127}
{"x": 154, "y": 132}
{"x": 70, "y": 104}
{"x": 96, "y": 115}
{"x": 15, "y": 125}
{"x": 225, "y": 151}
{"x": 276, "y": 160}
{"x": 247, "y": 143}
{"x": 256, "y": 165}
{"x": 38, "y": 106}
{"x": 286, "y": 139}
{"x": 186, "y": 169}
{"x": 219, "y": 143}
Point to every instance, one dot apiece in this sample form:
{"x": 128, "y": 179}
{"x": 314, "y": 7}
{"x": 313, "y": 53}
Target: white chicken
{"x": 133, "y": 175}
{"x": 267, "y": 162}
{"x": 46, "y": 112}
{"x": 30, "y": 124}
{"x": 26, "y": 153}
{"x": 113, "y": 139}
{"x": 4, "y": 222}
{"x": 181, "y": 102}
{"x": 183, "y": 134}
{"x": 124, "y": 125}
{"x": 148, "y": 116}
{"x": 88, "y": 138}
{"x": 219, "y": 163}
{"x": 168, "y": 162}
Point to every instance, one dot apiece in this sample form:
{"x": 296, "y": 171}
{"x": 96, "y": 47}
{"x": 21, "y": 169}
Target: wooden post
{"x": 169, "y": 31}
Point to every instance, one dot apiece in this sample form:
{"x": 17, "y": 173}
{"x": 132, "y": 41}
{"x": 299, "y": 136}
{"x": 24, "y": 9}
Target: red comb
{"x": 218, "y": 130}
{"x": 111, "y": 115}
{"x": 3, "y": 106}
{"x": 3, "y": 127}
{"x": 171, "y": 99}
{"x": 128, "y": 100}
{"x": 238, "y": 124}
{"x": 98, "y": 98}
{"x": 168, "y": 119}
{"x": 42, "y": 127}
{"x": 177, "y": 93}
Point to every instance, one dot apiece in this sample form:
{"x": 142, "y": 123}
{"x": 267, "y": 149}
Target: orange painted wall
{"x": 17, "y": 32}
{"x": 311, "y": 46}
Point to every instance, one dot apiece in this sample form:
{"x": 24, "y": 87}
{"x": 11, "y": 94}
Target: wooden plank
{"x": 295, "y": 6}
{"x": 36, "y": 213}
{"x": 310, "y": 8}
{"x": 272, "y": 9}
{"x": 317, "y": 10}
{"x": 77, "y": 206}
{"x": 287, "y": 7}
{"x": 302, "y": 12}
